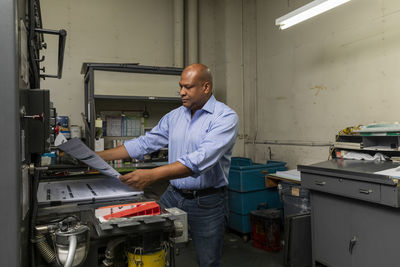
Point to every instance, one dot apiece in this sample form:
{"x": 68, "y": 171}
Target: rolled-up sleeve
{"x": 218, "y": 140}
{"x": 152, "y": 141}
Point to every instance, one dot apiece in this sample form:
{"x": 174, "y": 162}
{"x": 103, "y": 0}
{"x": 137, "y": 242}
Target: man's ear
{"x": 207, "y": 87}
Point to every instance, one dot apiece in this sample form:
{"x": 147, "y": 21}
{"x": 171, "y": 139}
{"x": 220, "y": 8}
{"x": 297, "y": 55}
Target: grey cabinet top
{"x": 353, "y": 169}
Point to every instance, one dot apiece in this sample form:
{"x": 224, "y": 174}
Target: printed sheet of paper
{"x": 290, "y": 174}
{"x": 76, "y": 148}
{"x": 84, "y": 190}
{"x": 394, "y": 172}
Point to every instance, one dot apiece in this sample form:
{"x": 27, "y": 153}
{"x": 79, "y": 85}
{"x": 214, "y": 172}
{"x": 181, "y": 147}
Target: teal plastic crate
{"x": 244, "y": 202}
{"x": 238, "y": 161}
{"x": 245, "y": 176}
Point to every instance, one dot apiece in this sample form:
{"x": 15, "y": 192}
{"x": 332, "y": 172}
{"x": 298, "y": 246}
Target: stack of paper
{"x": 290, "y": 174}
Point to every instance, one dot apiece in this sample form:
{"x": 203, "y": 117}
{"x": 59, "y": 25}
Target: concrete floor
{"x": 235, "y": 253}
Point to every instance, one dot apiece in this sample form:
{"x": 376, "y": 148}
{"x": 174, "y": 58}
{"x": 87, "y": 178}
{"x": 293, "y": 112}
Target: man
{"x": 200, "y": 136}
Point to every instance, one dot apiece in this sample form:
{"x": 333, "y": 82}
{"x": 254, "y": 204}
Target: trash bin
{"x": 296, "y": 199}
{"x": 266, "y": 229}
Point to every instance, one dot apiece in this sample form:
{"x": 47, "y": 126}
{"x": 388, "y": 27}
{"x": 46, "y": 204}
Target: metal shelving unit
{"x": 88, "y": 70}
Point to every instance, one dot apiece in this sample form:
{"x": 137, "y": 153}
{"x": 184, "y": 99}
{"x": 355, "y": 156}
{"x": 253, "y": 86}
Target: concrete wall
{"x": 299, "y": 86}
{"x": 318, "y": 77}
{"x": 123, "y": 31}
{"x": 229, "y": 60}
{"x": 141, "y": 31}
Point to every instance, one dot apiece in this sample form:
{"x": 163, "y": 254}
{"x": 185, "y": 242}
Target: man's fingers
{"x": 126, "y": 177}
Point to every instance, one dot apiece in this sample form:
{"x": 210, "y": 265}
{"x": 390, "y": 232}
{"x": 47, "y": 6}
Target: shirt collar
{"x": 210, "y": 104}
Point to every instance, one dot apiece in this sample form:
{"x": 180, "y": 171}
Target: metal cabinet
{"x": 355, "y": 214}
{"x": 330, "y": 230}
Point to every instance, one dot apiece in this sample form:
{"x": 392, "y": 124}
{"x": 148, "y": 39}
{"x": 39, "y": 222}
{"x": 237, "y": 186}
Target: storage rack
{"x": 388, "y": 144}
{"x": 88, "y": 70}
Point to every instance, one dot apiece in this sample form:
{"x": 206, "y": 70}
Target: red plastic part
{"x": 142, "y": 208}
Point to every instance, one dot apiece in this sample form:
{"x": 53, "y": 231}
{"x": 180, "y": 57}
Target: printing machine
{"x": 41, "y": 231}
{"x": 151, "y": 233}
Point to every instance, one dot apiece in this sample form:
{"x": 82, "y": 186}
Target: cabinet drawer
{"x": 344, "y": 187}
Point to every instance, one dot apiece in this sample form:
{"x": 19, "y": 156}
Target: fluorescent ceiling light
{"x": 310, "y": 10}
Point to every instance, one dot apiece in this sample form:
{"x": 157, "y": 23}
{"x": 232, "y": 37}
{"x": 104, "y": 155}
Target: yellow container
{"x": 156, "y": 259}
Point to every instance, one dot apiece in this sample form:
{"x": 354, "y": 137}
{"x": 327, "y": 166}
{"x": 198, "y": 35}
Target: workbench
{"x": 274, "y": 180}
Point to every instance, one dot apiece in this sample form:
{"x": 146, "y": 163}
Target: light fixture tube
{"x": 305, "y": 12}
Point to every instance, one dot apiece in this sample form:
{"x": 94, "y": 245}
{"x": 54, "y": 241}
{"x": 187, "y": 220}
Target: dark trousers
{"x": 207, "y": 218}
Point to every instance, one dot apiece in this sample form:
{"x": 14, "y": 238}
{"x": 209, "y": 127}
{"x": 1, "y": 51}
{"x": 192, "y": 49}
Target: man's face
{"x": 193, "y": 92}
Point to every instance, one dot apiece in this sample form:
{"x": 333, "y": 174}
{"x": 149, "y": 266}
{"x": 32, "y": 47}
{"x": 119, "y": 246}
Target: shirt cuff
{"x": 133, "y": 148}
{"x": 185, "y": 161}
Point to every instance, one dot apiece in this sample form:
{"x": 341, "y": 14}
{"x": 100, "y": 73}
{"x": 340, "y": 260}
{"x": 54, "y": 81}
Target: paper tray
{"x": 84, "y": 190}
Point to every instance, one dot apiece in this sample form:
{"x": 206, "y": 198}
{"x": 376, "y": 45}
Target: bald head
{"x": 200, "y": 72}
{"x": 195, "y": 86}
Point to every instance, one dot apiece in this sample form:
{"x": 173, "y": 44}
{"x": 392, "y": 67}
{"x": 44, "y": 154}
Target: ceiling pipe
{"x": 193, "y": 31}
{"x": 179, "y": 27}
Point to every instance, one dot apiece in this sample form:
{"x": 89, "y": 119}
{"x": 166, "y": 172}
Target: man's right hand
{"x": 139, "y": 179}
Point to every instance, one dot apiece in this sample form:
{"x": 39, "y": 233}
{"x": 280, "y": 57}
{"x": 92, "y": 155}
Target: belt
{"x": 190, "y": 194}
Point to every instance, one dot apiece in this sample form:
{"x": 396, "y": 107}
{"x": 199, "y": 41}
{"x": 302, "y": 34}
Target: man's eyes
{"x": 186, "y": 86}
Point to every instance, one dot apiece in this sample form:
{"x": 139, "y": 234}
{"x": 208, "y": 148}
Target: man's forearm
{"x": 142, "y": 178}
{"x": 114, "y": 153}
{"x": 172, "y": 171}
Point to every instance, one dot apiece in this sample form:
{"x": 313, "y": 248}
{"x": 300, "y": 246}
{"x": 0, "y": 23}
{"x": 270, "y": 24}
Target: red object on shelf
{"x": 136, "y": 209}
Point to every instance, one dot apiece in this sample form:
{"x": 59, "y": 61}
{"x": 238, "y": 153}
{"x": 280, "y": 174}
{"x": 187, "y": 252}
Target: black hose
{"x": 34, "y": 78}
{"x": 172, "y": 253}
{"x": 110, "y": 251}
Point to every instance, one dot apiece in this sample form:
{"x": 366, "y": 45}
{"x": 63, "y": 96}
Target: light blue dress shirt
{"x": 203, "y": 143}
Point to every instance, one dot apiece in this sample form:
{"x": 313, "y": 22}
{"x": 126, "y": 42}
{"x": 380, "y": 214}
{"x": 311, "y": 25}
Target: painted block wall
{"x": 300, "y": 85}
{"x": 122, "y": 31}
{"x": 335, "y": 70}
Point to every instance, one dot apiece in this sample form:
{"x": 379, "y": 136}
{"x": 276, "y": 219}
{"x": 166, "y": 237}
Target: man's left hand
{"x": 138, "y": 179}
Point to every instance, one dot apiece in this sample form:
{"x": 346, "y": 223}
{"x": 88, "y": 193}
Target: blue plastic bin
{"x": 245, "y": 176}
{"x": 238, "y": 161}
{"x": 242, "y": 203}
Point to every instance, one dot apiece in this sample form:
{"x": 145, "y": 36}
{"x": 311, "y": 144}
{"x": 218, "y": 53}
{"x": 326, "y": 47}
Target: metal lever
{"x": 352, "y": 243}
{"x": 365, "y": 191}
{"x": 320, "y": 183}
{"x": 40, "y": 59}
{"x": 39, "y": 117}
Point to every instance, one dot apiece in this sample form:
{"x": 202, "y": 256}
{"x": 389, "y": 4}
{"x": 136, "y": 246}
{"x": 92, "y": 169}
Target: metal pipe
{"x": 193, "y": 31}
{"x": 289, "y": 143}
{"x": 71, "y": 251}
{"x": 178, "y": 33}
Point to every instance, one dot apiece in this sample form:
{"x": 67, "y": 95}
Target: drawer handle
{"x": 352, "y": 243}
{"x": 365, "y": 191}
{"x": 320, "y": 183}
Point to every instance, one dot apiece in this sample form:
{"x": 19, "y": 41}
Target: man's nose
{"x": 182, "y": 91}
